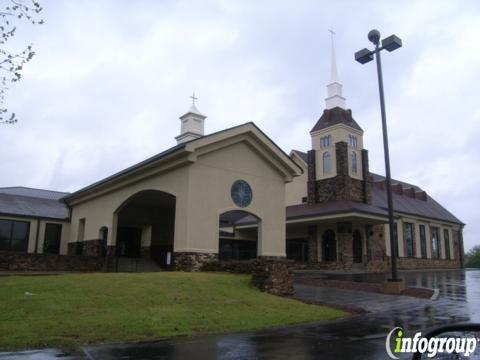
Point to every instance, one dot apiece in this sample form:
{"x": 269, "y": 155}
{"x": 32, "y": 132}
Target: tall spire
{"x": 334, "y": 89}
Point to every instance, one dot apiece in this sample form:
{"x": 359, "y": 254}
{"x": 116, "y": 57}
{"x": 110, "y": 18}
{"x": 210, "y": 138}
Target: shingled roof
{"x": 335, "y": 116}
{"x": 33, "y": 203}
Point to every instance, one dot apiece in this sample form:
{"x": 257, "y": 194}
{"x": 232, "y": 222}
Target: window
{"x": 408, "y": 236}
{"x": 325, "y": 141}
{"x": 352, "y": 141}
{"x": 326, "y": 163}
{"x": 435, "y": 239}
{"x": 423, "y": 241}
{"x": 446, "y": 238}
{"x": 53, "y": 234}
{"x": 354, "y": 162}
{"x": 14, "y": 235}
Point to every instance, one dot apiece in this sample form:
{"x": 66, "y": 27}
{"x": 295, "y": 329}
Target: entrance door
{"x": 357, "y": 247}
{"x": 129, "y": 240}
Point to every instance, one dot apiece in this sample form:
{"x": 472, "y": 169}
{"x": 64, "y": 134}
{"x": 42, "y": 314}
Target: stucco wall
{"x": 202, "y": 190}
{"x": 297, "y": 189}
{"x": 214, "y": 174}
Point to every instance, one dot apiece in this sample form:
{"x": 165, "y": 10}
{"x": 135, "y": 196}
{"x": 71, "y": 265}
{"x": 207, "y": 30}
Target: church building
{"x": 232, "y": 196}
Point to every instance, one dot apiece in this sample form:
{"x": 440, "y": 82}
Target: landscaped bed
{"x": 70, "y": 310}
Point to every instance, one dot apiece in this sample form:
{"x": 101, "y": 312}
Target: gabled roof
{"x": 186, "y": 147}
{"x": 301, "y": 155}
{"x": 336, "y": 116}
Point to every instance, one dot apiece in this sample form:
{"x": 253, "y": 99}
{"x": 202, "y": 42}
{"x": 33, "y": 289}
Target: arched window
{"x": 326, "y": 163}
{"x": 354, "y": 162}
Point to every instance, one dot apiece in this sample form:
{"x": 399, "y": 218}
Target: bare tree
{"x": 12, "y": 62}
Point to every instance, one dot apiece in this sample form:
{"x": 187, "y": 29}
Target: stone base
{"x": 10, "y": 260}
{"x": 192, "y": 261}
{"x": 86, "y": 248}
{"x": 417, "y": 263}
{"x": 394, "y": 287}
{"x": 273, "y": 276}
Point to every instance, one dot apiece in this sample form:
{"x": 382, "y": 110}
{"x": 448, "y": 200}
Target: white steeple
{"x": 334, "y": 89}
{"x": 192, "y": 124}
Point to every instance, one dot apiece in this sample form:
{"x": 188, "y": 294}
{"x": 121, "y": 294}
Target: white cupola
{"x": 192, "y": 124}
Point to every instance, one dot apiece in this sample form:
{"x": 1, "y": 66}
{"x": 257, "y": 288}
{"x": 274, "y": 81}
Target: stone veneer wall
{"x": 416, "y": 263}
{"x": 312, "y": 244}
{"x": 344, "y": 245}
{"x": 270, "y": 274}
{"x": 376, "y": 252}
{"x": 311, "y": 180}
{"x": 273, "y": 276}
{"x": 10, "y": 260}
{"x": 342, "y": 186}
{"x": 192, "y": 261}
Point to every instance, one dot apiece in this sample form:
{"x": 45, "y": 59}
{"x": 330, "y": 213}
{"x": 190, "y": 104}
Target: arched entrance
{"x": 238, "y": 235}
{"x": 357, "y": 247}
{"x": 329, "y": 246}
{"x": 146, "y": 226}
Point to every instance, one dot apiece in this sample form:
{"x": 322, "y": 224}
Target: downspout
{"x": 37, "y": 235}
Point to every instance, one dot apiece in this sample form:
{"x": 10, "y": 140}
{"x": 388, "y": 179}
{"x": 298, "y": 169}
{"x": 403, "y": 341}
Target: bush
{"x": 473, "y": 258}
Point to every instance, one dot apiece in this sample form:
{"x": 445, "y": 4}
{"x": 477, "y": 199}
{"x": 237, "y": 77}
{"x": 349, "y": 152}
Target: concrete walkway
{"x": 369, "y": 301}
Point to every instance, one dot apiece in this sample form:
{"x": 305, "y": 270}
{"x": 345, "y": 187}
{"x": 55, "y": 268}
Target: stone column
{"x": 344, "y": 238}
{"x": 367, "y": 182}
{"x": 311, "y": 183}
{"x": 312, "y": 244}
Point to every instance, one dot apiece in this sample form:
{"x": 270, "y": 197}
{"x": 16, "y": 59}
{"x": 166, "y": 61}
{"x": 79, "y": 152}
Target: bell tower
{"x": 192, "y": 124}
{"x": 338, "y": 164}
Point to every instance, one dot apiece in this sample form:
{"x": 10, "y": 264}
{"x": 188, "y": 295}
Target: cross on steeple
{"x": 193, "y": 98}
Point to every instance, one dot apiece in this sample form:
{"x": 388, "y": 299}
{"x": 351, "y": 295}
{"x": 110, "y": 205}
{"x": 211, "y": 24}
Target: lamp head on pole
{"x": 391, "y": 43}
{"x": 364, "y": 56}
{"x": 374, "y": 36}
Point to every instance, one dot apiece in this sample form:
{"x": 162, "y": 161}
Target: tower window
{"x": 326, "y": 163}
{"x": 352, "y": 141}
{"x": 325, "y": 141}
{"x": 354, "y": 162}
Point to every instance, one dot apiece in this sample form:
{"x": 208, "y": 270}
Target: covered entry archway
{"x": 146, "y": 226}
{"x": 238, "y": 235}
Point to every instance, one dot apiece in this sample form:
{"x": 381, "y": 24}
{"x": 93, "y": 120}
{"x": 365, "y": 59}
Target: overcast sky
{"x": 111, "y": 78}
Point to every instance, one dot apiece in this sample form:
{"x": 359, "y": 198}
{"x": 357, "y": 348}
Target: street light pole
{"x": 363, "y": 56}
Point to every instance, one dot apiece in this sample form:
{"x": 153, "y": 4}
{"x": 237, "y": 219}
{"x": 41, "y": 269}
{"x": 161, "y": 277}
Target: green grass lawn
{"x": 69, "y": 310}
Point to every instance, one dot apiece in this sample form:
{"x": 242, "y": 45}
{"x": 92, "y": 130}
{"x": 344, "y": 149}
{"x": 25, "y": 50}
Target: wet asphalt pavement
{"x": 357, "y": 337}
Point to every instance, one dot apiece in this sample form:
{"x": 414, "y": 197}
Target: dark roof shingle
{"x": 28, "y": 206}
{"x": 336, "y": 116}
